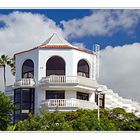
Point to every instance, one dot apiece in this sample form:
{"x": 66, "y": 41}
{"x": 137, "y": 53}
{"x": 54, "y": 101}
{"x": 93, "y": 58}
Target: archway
{"x": 55, "y": 66}
{"x": 28, "y": 69}
{"x": 83, "y": 68}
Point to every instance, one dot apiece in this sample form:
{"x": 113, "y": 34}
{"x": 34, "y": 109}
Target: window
{"x": 55, "y": 66}
{"x": 24, "y": 103}
{"x": 17, "y": 112}
{"x": 28, "y": 69}
{"x": 17, "y": 106}
{"x": 83, "y": 96}
{"x": 83, "y": 68}
{"x": 26, "y": 95}
{"x": 17, "y": 96}
{"x": 16, "y": 119}
{"x": 55, "y": 94}
{"x": 25, "y": 106}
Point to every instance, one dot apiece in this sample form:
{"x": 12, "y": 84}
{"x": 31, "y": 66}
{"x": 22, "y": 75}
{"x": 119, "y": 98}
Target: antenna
{"x": 97, "y": 51}
{"x": 95, "y": 62}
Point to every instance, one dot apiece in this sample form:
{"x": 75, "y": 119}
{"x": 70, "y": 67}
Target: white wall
{"x": 39, "y": 96}
{"x": 92, "y": 97}
{"x": 71, "y": 58}
{"x": 70, "y": 94}
{"x": 78, "y": 55}
{"x": 44, "y": 56}
{"x": 21, "y": 58}
{"x": 40, "y": 58}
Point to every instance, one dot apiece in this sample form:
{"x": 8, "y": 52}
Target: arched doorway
{"x": 83, "y": 68}
{"x": 55, "y": 66}
{"x": 28, "y": 69}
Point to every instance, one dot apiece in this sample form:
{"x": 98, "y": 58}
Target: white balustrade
{"x": 61, "y": 79}
{"x": 86, "y": 104}
{"x": 67, "y": 103}
{"x": 86, "y": 81}
{"x": 25, "y": 82}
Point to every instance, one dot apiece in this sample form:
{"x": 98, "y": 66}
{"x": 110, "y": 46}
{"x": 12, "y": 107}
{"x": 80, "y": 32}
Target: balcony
{"x": 24, "y": 83}
{"x": 60, "y": 81}
{"x": 66, "y": 105}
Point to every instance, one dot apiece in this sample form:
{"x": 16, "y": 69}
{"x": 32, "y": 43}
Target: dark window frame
{"x": 55, "y": 66}
{"x": 30, "y": 71}
{"x": 55, "y": 92}
{"x": 21, "y": 104}
{"x": 83, "y": 95}
{"x": 84, "y": 63}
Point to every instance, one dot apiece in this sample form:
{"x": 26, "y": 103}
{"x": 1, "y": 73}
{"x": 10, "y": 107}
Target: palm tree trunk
{"x": 4, "y": 76}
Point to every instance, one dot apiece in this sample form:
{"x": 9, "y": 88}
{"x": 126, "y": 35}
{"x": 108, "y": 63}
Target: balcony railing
{"x": 67, "y": 104}
{"x": 62, "y": 79}
{"x": 25, "y": 82}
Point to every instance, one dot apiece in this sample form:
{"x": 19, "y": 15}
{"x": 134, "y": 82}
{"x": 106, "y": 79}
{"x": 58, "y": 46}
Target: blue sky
{"x": 120, "y": 37}
{"x": 116, "y": 31}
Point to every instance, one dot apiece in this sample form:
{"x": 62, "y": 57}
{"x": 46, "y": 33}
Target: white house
{"x": 58, "y": 75}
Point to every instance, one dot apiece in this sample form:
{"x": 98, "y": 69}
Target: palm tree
{"x": 12, "y": 64}
{"x": 4, "y": 60}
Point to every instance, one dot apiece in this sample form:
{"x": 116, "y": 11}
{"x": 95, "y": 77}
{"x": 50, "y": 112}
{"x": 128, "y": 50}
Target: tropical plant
{"x": 6, "y": 109}
{"x": 4, "y": 60}
{"x": 80, "y": 120}
{"x": 12, "y": 64}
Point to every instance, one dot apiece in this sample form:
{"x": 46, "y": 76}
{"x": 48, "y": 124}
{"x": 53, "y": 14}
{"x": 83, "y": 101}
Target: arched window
{"x": 55, "y": 66}
{"x": 28, "y": 69}
{"x": 83, "y": 68}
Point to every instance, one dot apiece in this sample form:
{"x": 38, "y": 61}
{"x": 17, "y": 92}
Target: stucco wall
{"x": 21, "y": 58}
{"x": 71, "y": 58}
{"x": 40, "y": 58}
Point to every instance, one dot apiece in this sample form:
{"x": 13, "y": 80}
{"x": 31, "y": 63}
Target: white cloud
{"x": 120, "y": 70}
{"x": 23, "y": 31}
{"x": 79, "y": 44}
{"x": 119, "y": 66}
{"x": 102, "y": 22}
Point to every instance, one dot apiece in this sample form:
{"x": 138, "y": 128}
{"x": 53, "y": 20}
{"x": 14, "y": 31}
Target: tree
{"x": 124, "y": 121}
{"x": 54, "y": 121}
{"x": 12, "y": 64}
{"x": 6, "y": 109}
{"x": 80, "y": 120}
{"x": 4, "y": 60}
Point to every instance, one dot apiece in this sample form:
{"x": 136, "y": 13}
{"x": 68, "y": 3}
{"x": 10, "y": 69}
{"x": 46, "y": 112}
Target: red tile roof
{"x": 25, "y": 51}
{"x": 85, "y": 50}
{"x": 66, "y": 47}
{"x": 58, "y": 47}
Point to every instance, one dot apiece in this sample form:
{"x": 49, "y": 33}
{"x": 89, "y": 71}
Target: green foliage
{"x": 80, "y": 120}
{"x": 12, "y": 64}
{"x": 4, "y": 60}
{"x": 11, "y": 128}
{"x": 124, "y": 121}
{"x": 6, "y": 108}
